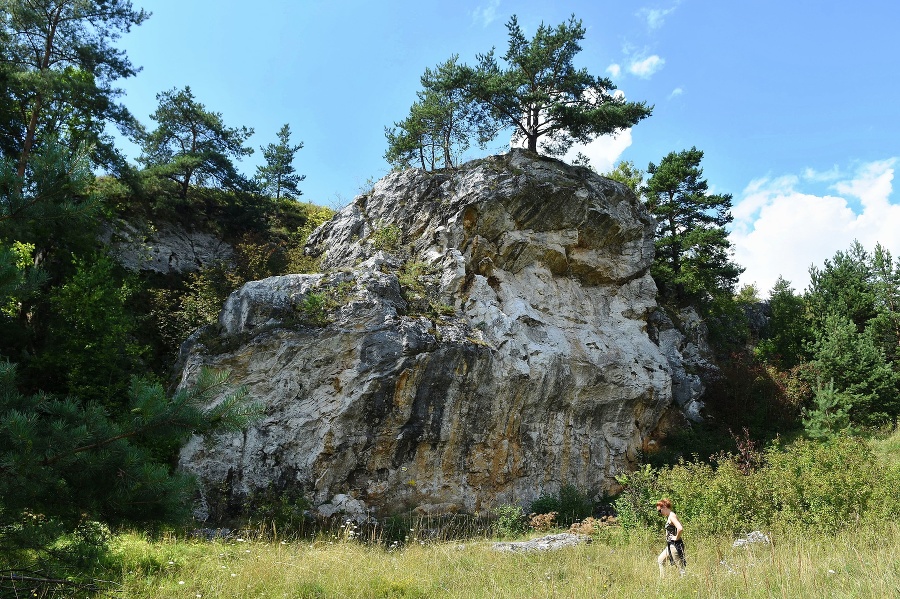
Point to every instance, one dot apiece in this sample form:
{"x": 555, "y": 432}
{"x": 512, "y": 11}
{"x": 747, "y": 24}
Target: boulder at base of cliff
{"x": 476, "y": 337}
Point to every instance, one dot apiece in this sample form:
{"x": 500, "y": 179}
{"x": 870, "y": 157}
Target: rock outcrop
{"x": 476, "y": 337}
{"x": 164, "y": 248}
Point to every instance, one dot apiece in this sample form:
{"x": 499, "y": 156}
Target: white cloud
{"x": 604, "y": 151}
{"x": 656, "y": 16}
{"x": 645, "y": 67}
{"x": 781, "y": 230}
{"x": 831, "y": 174}
{"x": 487, "y": 13}
{"x": 614, "y": 70}
{"x": 676, "y": 92}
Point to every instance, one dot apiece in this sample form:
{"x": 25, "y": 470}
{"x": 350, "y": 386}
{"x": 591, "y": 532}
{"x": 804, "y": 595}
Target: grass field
{"x": 856, "y": 564}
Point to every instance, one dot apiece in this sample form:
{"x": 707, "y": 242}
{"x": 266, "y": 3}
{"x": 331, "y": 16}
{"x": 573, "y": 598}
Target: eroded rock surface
{"x": 165, "y": 248}
{"x": 475, "y": 338}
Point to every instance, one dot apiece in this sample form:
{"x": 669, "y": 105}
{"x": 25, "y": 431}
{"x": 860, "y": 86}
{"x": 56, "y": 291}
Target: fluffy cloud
{"x": 780, "y": 229}
{"x": 645, "y": 67}
{"x": 676, "y": 92}
{"x": 486, "y": 13}
{"x": 614, "y": 70}
{"x": 656, "y": 16}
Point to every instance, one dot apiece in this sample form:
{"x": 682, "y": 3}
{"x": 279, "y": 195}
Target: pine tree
{"x": 192, "y": 145}
{"x": 693, "y": 254}
{"x": 442, "y": 123}
{"x": 65, "y": 464}
{"x": 830, "y": 414}
{"x": 787, "y": 333}
{"x": 278, "y": 177}
{"x": 543, "y": 97}
{"x": 858, "y": 368}
{"x": 58, "y": 69}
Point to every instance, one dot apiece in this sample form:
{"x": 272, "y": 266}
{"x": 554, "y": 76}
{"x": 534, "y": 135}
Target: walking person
{"x": 674, "y": 543}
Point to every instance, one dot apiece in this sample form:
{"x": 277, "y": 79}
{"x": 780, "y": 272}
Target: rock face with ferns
{"x": 475, "y": 337}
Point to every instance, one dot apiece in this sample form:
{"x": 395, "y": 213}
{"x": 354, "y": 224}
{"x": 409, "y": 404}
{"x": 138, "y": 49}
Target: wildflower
{"x": 180, "y": 582}
{"x": 233, "y": 574}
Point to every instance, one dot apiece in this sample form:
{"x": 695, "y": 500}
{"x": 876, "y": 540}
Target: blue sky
{"x": 793, "y": 102}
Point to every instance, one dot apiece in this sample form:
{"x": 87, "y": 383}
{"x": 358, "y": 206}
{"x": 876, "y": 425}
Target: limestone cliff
{"x": 476, "y": 337}
{"x": 163, "y": 248}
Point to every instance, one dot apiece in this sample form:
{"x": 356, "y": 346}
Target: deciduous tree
{"x": 632, "y": 177}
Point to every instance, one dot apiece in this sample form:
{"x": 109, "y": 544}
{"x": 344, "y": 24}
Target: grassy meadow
{"x": 836, "y": 546}
{"x": 857, "y": 563}
{"x": 857, "y": 557}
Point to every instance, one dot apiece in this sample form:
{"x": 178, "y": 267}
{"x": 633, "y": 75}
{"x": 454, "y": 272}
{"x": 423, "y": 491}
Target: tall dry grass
{"x": 859, "y": 564}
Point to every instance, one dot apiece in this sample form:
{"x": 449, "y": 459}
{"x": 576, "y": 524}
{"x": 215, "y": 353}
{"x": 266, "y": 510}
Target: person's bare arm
{"x": 678, "y": 527}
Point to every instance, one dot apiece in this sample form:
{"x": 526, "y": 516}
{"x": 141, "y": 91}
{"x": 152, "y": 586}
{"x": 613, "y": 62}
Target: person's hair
{"x": 664, "y": 503}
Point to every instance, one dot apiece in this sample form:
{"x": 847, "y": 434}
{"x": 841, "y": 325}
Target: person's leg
{"x": 661, "y": 560}
{"x": 679, "y": 551}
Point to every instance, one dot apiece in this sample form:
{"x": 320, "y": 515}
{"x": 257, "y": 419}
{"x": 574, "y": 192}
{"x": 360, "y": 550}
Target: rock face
{"x": 167, "y": 248}
{"x": 475, "y": 338}
{"x": 689, "y": 355}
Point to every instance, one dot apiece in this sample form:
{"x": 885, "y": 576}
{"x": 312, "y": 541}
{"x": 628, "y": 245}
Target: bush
{"x": 635, "y": 505}
{"x": 510, "y": 521}
{"x": 574, "y": 504}
{"x": 545, "y": 504}
{"x": 386, "y": 237}
{"x": 811, "y": 487}
{"x": 822, "y": 486}
{"x": 570, "y": 504}
{"x": 542, "y": 522}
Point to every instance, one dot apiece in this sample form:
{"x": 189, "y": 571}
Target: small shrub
{"x": 542, "y": 522}
{"x": 822, "y": 487}
{"x": 313, "y": 308}
{"x": 635, "y": 505}
{"x": 281, "y": 510}
{"x": 545, "y": 504}
{"x": 510, "y": 521}
{"x": 386, "y": 238}
{"x": 570, "y": 504}
{"x": 588, "y": 526}
{"x": 574, "y": 504}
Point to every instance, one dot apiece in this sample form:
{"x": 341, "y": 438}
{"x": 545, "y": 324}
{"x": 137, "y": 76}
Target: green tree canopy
{"x": 632, "y": 177}
{"x": 693, "y": 254}
{"x": 192, "y": 145}
{"x": 858, "y": 368}
{"x": 788, "y": 331}
{"x": 843, "y": 285}
{"x": 65, "y": 465}
{"x": 441, "y": 124}
{"x": 278, "y": 177}
{"x": 542, "y": 96}
{"x": 58, "y": 68}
